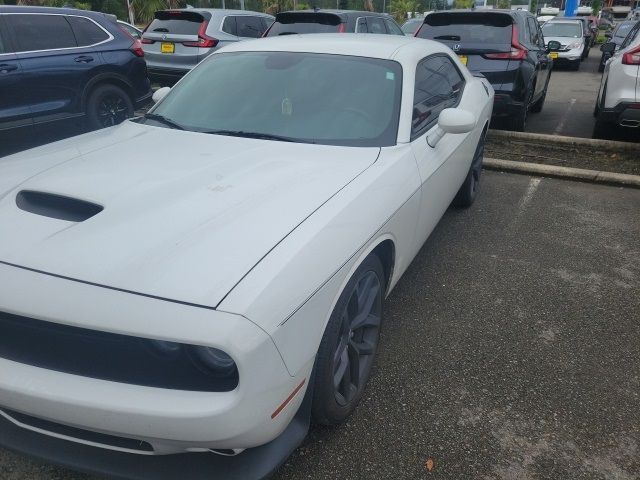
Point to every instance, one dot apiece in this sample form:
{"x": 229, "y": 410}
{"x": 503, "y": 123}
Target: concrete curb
{"x": 580, "y": 174}
{"x": 559, "y": 139}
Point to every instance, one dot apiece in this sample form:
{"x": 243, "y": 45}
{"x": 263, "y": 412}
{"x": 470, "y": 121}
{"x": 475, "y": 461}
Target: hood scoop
{"x": 56, "y": 206}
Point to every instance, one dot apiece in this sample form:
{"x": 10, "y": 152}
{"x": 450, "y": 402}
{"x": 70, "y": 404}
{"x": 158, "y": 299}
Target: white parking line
{"x": 564, "y": 118}
{"x": 528, "y": 195}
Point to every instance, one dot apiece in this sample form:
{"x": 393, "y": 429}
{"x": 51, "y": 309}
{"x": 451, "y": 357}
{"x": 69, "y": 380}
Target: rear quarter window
{"x": 41, "y": 32}
{"x": 86, "y": 31}
{"x": 248, "y": 26}
{"x": 469, "y": 28}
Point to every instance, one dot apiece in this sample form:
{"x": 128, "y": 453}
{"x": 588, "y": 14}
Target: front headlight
{"x": 575, "y": 45}
{"x": 214, "y": 361}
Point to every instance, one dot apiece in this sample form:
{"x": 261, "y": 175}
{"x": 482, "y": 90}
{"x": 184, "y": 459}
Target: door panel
{"x": 14, "y": 108}
{"x": 442, "y": 168}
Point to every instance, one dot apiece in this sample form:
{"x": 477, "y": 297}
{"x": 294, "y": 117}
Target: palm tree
{"x": 144, "y": 9}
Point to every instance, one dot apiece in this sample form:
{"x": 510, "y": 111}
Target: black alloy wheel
{"x": 358, "y": 338}
{"x": 471, "y": 186}
{"x": 108, "y": 105}
{"x": 349, "y": 344}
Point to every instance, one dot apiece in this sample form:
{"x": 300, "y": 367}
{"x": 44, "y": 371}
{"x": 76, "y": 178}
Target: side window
{"x": 41, "y": 32}
{"x": 541, "y": 43}
{"x": 87, "y": 32}
{"x": 249, "y": 26}
{"x": 376, "y": 25}
{"x": 393, "y": 28}
{"x": 229, "y": 25}
{"x": 631, "y": 36}
{"x": 438, "y": 86}
{"x": 361, "y": 26}
{"x": 533, "y": 31}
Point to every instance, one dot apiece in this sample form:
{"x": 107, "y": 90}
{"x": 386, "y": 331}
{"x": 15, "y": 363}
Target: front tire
{"x": 108, "y": 105}
{"x": 349, "y": 344}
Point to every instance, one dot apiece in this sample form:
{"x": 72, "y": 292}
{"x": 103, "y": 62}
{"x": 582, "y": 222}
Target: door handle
{"x": 6, "y": 68}
{"x": 83, "y": 59}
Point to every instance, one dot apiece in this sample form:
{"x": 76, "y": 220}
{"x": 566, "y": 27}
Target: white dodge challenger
{"x": 182, "y": 293}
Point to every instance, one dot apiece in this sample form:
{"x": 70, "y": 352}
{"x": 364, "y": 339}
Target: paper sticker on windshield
{"x": 391, "y": 76}
{"x": 287, "y": 107}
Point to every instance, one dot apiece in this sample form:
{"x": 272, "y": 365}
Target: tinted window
{"x": 266, "y": 23}
{"x": 229, "y": 25}
{"x": 87, "y": 32}
{"x": 376, "y": 25}
{"x": 307, "y": 97}
{"x": 393, "y": 28}
{"x": 533, "y": 31}
{"x": 41, "y": 32}
{"x": 291, "y": 23}
{"x": 176, "y": 22}
{"x": 438, "y": 86}
{"x": 249, "y": 26}
{"x": 130, "y": 30}
{"x": 361, "y": 27}
{"x": 469, "y": 28}
{"x": 623, "y": 29}
{"x": 631, "y": 36}
{"x": 410, "y": 26}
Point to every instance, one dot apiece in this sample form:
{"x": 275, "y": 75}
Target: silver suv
{"x": 176, "y": 40}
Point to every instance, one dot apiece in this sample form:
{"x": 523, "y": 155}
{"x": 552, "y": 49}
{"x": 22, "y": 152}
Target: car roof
{"x": 352, "y": 44}
{"x": 341, "y": 13}
{"x": 217, "y": 11}
{"x": 57, "y": 10}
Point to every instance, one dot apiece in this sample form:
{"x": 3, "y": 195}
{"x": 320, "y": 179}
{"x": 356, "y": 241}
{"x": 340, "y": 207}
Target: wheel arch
{"x": 386, "y": 252}
{"x": 107, "y": 79}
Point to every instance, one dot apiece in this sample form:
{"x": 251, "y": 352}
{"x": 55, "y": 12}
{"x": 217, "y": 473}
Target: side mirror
{"x": 553, "y": 46}
{"x": 452, "y": 120}
{"x": 608, "y": 47}
{"x": 160, "y": 94}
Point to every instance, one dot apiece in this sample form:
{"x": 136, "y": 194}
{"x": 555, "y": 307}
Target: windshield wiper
{"x": 261, "y": 136}
{"x": 448, "y": 37}
{"x": 163, "y": 119}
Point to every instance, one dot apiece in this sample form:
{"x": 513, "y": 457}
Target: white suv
{"x": 618, "y": 101}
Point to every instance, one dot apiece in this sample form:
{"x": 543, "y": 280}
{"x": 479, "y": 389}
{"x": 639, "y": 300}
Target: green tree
{"x": 144, "y": 9}
{"x": 115, "y": 7}
{"x": 400, "y": 8}
{"x": 596, "y": 6}
{"x": 462, "y": 3}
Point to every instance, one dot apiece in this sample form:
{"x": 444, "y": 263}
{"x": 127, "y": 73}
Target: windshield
{"x": 557, "y": 29}
{"x": 301, "y": 97}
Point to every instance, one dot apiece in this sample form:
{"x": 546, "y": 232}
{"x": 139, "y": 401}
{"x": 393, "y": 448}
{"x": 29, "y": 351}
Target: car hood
{"x": 185, "y": 215}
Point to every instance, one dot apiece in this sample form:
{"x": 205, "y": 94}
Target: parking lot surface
{"x": 568, "y": 109}
{"x": 510, "y": 350}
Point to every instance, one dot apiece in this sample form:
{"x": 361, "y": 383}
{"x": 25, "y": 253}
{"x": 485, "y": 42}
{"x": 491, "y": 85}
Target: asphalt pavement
{"x": 510, "y": 349}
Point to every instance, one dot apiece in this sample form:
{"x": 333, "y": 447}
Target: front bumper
{"x": 569, "y": 56}
{"x": 255, "y": 463}
{"x": 171, "y": 421}
{"x": 624, "y": 114}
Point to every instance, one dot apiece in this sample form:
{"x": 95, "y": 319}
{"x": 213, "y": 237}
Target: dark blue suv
{"x": 58, "y": 64}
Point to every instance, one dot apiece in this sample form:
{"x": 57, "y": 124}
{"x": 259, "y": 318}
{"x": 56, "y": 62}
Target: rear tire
{"x": 108, "y": 105}
{"x": 519, "y": 123}
{"x": 603, "y": 130}
{"x": 471, "y": 186}
{"x": 349, "y": 344}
